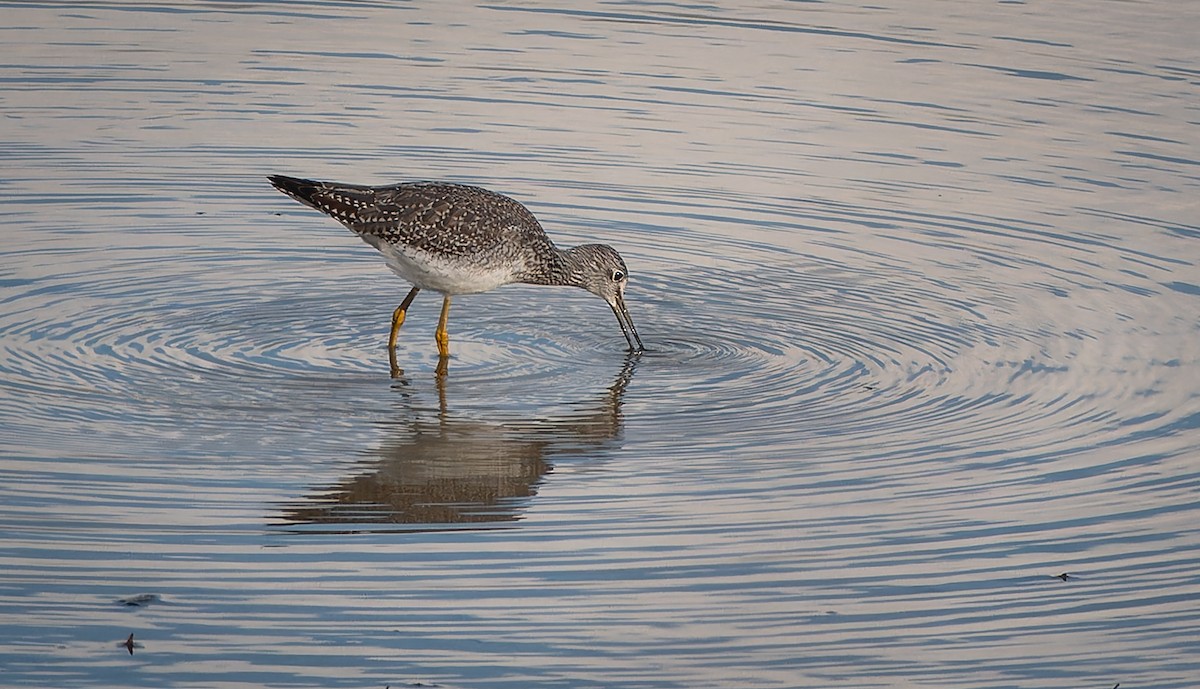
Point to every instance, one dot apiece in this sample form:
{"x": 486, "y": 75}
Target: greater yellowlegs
{"x": 458, "y": 239}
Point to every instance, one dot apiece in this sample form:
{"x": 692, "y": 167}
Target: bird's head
{"x": 599, "y": 269}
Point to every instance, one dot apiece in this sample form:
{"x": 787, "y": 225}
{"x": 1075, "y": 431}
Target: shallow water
{"x": 918, "y": 282}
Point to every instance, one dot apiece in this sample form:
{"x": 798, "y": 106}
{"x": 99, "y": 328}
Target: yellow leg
{"x": 397, "y": 321}
{"x": 398, "y": 316}
{"x": 443, "y": 337}
{"x": 443, "y": 366}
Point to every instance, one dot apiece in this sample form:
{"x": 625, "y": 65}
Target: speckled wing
{"x": 449, "y": 219}
{"x": 439, "y": 218}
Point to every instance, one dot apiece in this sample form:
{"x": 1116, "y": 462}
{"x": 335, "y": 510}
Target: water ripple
{"x": 919, "y": 294}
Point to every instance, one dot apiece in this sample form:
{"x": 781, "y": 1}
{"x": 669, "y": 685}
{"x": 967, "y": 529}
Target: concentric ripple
{"x": 919, "y": 290}
{"x": 780, "y": 341}
{"x": 812, "y": 344}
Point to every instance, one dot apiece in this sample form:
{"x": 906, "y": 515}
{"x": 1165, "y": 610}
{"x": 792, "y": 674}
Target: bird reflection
{"x": 453, "y": 473}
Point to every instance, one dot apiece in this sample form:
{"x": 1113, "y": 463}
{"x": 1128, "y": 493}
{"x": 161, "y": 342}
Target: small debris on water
{"x": 129, "y": 644}
{"x": 139, "y": 600}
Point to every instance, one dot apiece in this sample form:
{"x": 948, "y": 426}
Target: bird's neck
{"x": 558, "y": 267}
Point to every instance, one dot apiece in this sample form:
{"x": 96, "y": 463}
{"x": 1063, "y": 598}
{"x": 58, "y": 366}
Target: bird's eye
{"x": 617, "y": 276}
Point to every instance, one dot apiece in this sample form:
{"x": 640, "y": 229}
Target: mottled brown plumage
{"x": 417, "y": 214}
{"x": 460, "y": 239}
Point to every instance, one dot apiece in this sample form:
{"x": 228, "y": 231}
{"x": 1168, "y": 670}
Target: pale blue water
{"x": 919, "y": 282}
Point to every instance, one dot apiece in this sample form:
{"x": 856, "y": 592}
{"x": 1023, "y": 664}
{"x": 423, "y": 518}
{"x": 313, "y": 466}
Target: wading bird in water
{"x": 458, "y": 239}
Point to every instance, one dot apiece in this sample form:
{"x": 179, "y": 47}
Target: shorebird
{"x": 458, "y": 239}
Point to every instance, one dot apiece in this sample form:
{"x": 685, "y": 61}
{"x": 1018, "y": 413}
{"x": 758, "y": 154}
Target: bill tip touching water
{"x": 459, "y": 239}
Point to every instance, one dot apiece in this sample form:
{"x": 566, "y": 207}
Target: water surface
{"x": 918, "y": 282}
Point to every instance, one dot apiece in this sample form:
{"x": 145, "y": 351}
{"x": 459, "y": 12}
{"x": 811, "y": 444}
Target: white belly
{"x": 435, "y": 273}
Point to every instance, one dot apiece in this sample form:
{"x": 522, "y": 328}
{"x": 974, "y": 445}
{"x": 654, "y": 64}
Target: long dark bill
{"x": 626, "y": 323}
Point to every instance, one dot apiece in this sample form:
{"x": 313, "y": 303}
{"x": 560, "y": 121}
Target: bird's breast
{"x": 448, "y": 274}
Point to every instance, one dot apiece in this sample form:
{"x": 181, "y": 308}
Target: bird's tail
{"x": 342, "y": 201}
{"x": 300, "y": 189}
